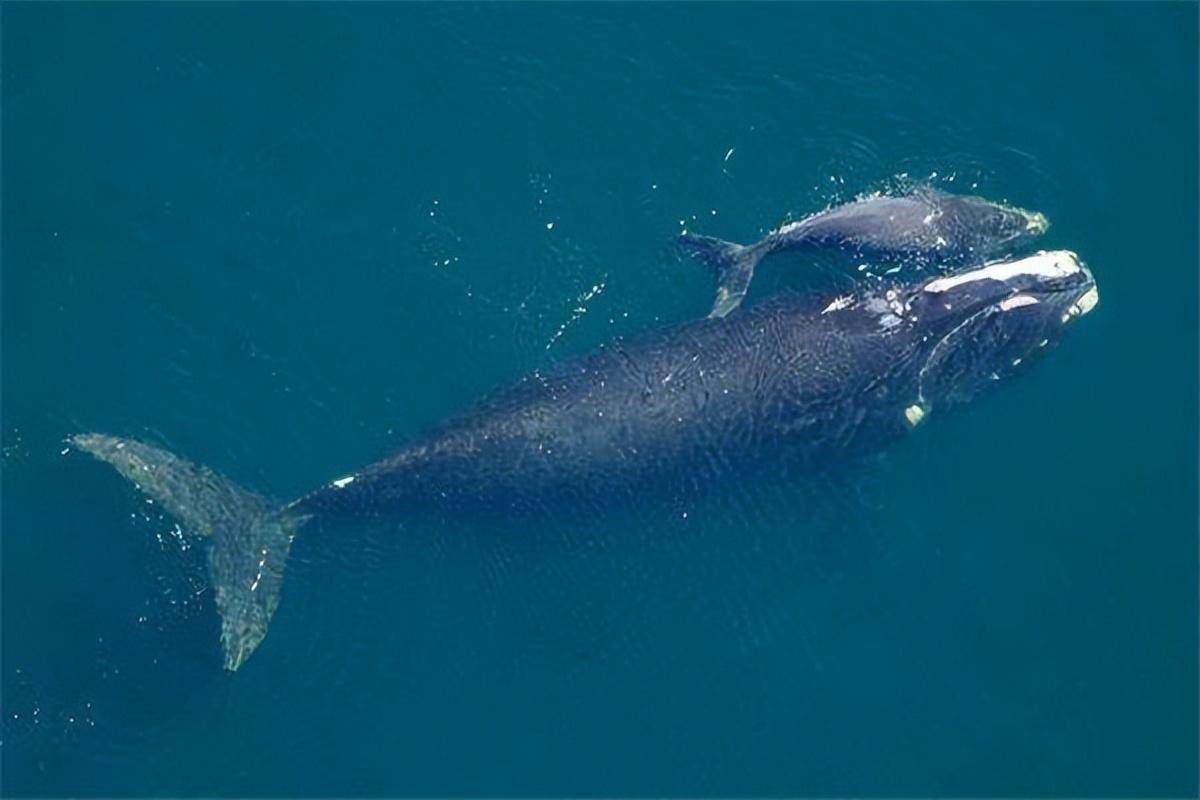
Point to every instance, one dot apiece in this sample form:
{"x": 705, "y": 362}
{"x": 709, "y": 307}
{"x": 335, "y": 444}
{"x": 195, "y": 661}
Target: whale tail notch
{"x": 733, "y": 264}
{"x": 248, "y": 539}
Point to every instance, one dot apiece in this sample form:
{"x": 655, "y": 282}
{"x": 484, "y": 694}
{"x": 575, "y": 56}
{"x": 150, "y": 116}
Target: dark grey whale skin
{"x": 677, "y": 409}
{"x": 684, "y": 406}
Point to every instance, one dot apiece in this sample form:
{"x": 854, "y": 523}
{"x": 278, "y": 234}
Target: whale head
{"x": 979, "y": 326}
{"x": 984, "y": 228}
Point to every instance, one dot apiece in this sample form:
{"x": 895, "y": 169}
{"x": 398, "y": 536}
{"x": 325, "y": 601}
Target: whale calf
{"x": 924, "y": 223}
{"x": 797, "y": 379}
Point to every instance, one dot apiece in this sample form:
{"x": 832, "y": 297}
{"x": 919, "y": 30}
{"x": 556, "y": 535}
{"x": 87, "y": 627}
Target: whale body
{"x": 796, "y": 379}
{"x": 925, "y": 224}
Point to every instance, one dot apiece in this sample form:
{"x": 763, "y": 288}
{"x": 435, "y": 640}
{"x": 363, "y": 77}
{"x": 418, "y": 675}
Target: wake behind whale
{"x": 796, "y": 379}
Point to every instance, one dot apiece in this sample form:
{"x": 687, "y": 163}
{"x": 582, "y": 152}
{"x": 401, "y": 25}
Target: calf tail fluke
{"x": 248, "y": 538}
{"x": 733, "y": 264}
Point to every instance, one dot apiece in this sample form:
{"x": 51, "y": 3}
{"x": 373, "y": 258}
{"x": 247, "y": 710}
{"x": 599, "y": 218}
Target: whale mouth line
{"x": 922, "y": 400}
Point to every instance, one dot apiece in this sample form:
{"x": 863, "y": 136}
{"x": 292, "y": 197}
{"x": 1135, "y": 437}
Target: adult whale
{"x": 926, "y": 223}
{"x": 794, "y": 379}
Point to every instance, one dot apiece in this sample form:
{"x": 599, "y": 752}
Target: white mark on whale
{"x": 1016, "y": 301}
{"x": 1089, "y": 300}
{"x": 258, "y": 577}
{"x": 1083, "y": 305}
{"x": 914, "y": 414}
{"x": 342, "y": 483}
{"x": 1054, "y": 264}
{"x": 845, "y": 301}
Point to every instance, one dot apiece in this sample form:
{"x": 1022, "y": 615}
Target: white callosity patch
{"x": 1086, "y": 302}
{"x": 1035, "y": 221}
{"x": 1089, "y": 300}
{"x": 1016, "y": 301}
{"x": 1046, "y": 264}
{"x": 887, "y": 310}
{"x": 342, "y": 483}
{"x": 914, "y": 414}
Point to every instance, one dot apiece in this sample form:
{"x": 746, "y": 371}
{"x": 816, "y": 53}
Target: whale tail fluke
{"x": 248, "y": 538}
{"x": 733, "y": 264}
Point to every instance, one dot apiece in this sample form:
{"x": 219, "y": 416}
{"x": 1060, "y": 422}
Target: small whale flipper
{"x": 248, "y": 539}
{"x": 733, "y": 264}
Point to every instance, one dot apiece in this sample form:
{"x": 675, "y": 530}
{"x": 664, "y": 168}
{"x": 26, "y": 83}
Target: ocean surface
{"x": 281, "y": 239}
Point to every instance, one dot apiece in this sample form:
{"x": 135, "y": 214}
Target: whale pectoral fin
{"x": 249, "y": 541}
{"x": 732, "y": 263}
{"x": 731, "y": 289}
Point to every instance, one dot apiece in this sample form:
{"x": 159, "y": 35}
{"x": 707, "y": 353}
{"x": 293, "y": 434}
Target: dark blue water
{"x": 281, "y": 239}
